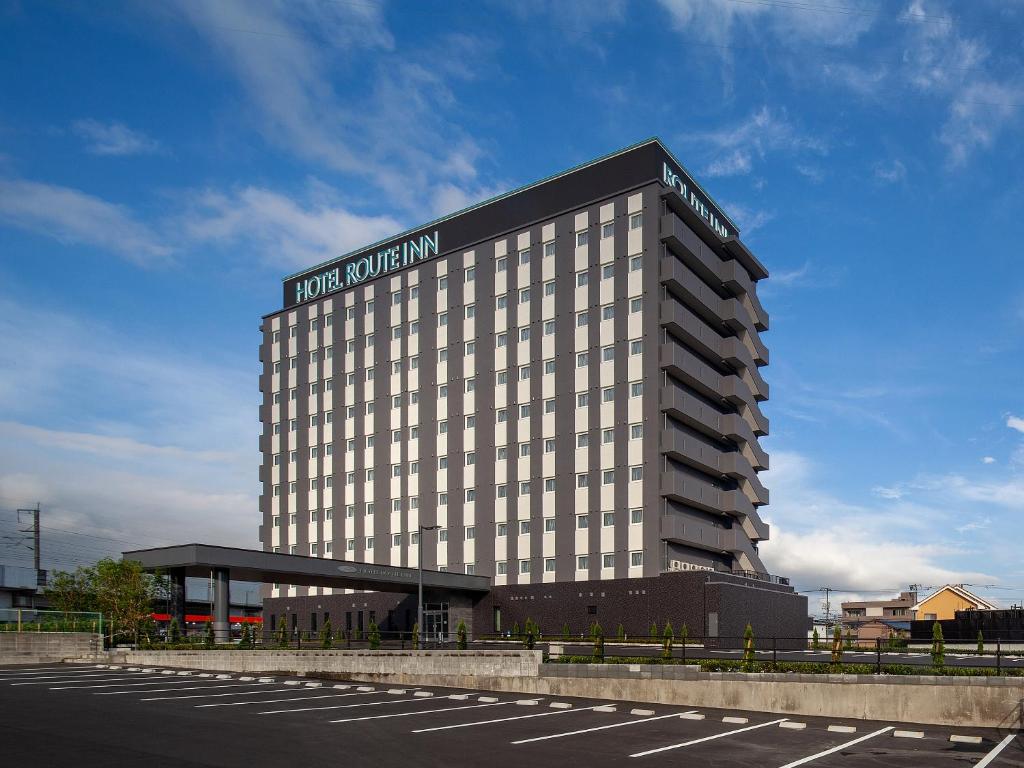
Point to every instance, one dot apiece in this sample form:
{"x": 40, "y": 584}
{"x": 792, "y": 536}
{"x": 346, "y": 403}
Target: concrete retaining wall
{"x": 430, "y": 666}
{"x": 959, "y": 701}
{"x": 47, "y": 647}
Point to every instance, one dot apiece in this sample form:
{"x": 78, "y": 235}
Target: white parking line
{"x": 601, "y": 727}
{"x": 200, "y": 695}
{"x": 287, "y": 690}
{"x": 29, "y": 670}
{"x": 57, "y": 671}
{"x": 346, "y": 706}
{"x": 163, "y": 681}
{"x": 838, "y": 748}
{"x": 421, "y": 712}
{"x": 503, "y": 720}
{"x": 194, "y": 688}
{"x": 708, "y": 738}
{"x": 995, "y": 752}
{"x": 60, "y": 680}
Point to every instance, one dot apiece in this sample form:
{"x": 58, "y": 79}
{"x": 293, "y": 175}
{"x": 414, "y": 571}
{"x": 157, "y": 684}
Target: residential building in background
{"x": 872, "y": 619}
{"x": 564, "y": 380}
{"x": 943, "y": 603}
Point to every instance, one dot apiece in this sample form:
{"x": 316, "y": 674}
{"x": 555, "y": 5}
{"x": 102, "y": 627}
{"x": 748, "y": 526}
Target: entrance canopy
{"x": 297, "y": 570}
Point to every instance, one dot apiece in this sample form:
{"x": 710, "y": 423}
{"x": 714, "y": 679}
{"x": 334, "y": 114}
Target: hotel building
{"x": 565, "y": 380}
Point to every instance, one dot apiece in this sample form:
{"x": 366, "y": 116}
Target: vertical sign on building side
{"x": 696, "y": 199}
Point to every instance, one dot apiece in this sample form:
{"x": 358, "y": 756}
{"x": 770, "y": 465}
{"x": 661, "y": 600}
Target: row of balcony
{"x": 730, "y": 273}
{"x": 714, "y": 461}
{"x": 695, "y": 413}
{"x": 728, "y": 350}
{"x": 730, "y": 312}
{"x": 690, "y": 369}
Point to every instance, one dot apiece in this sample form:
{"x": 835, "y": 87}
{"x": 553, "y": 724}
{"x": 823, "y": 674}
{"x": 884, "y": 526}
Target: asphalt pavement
{"x": 87, "y": 715}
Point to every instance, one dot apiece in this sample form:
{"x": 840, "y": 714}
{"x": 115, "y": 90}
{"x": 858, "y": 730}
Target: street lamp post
{"x": 419, "y": 566}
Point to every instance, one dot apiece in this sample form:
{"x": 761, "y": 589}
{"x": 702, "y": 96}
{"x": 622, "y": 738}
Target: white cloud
{"x": 790, "y": 26}
{"x": 122, "y": 436}
{"x": 114, "y": 138}
{"x": 820, "y": 539}
{"x": 1015, "y": 422}
{"x": 890, "y": 173}
{"x": 988, "y": 460}
{"x": 748, "y": 219}
{"x": 72, "y": 216}
{"x": 762, "y": 133}
{"x": 286, "y": 233}
{"x": 887, "y": 493}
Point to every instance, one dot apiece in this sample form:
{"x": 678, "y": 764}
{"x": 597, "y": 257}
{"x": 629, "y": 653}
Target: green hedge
{"x": 803, "y": 667}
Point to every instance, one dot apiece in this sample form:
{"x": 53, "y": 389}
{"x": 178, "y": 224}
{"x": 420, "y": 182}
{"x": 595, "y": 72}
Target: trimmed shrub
{"x": 938, "y": 646}
{"x": 837, "y": 645}
{"x": 416, "y": 636}
{"x": 598, "y": 635}
{"x": 981, "y": 642}
{"x": 516, "y": 633}
{"x": 620, "y": 633}
{"x": 816, "y": 640}
{"x": 209, "y": 639}
{"x": 654, "y": 631}
{"x": 174, "y": 631}
{"x": 748, "y": 649}
{"x": 669, "y": 632}
{"x": 565, "y": 631}
{"x": 326, "y": 636}
{"x": 282, "y": 633}
{"x": 530, "y": 634}
{"x": 374, "y": 636}
{"x": 460, "y": 636}
{"x": 684, "y": 635}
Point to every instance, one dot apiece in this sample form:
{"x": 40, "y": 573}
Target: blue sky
{"x": 163, "y": 166}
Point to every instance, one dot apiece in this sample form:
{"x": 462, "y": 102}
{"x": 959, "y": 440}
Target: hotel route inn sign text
{"x": 364, "y": 267}
{"x": 695, "y": 199}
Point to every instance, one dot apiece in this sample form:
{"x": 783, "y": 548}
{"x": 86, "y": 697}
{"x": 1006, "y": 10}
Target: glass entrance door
{"x": 435, "y": 622}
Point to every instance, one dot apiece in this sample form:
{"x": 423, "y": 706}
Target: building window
{"x": 549, "y": 445}
{"x": 636, "y": 389}
{"x": 636, "y": 473}
{"x": 369, "y": 508}
{"x": 442, "y": 427}
{"x": 442, "y": 534}
{"x": 549, "y": 565}
{"x": 313, "y": 549}
{"x": 396, "y": 298}
{"x": 635, "y": 263}
{"x": 470, "y": 347}
{"x": 582, "y": 399}
{"x": 608, "y": 312}
{"x": 524, "y": 566}
{"x": 442, "y": 391}
{"x": 470, "y": 421}
{"x": 607, "y": 271}
{"x": 636, "y": 347}
{"x": 503, "y": 529}
{"x": 470, "y": 274}
{"x": 470, "y": 569}
{"x": 524, "y": 488}
{"x": 502, "y": 567}
{"x": 636, "y": 221}
{"x": 470, "y": 311}
{"x": 582, "y": 278}
{"x": 470, "y": 495}
{"x": 442, "y": 462}
{"x": 636, "y": 305}
{"x": 396, "y": 333}
{"x": 636, "y": 559}
{"x": 524, "y": 334}
{"x": 502, "y": 415}
{"x": 524, "y": 449}
{"x": 549, "y": 406}
{"x": 524, "y": 411}
{"x": 470, "y": 385}
{"x": 442, "y": 499}
{"x": 470, "y": 532}
{"x": 442, "y": 319}
{"x": 582, "y": 359}
{"x": 549, "y": 327}
{"x": 502, "y": 454}
{"x": 582, "y": 522}
{"x": 581, "y": 238}
{"x": 501, "y": 340}
{"x": 549, "y": 485}
{"x": 502, "y": 491}
{"x": 396, "y": 540}
{"x": 608, "y": 394}
{"x": 582, "y": 563}
{"x": 549, "y": 367}
{"x": 636, "y": 431}
{"x": 501, "y": 264}
{"x": 607, "y": 230}
{"x": 549, "y": 288}
{"x": 608, "y": 561}
{"x": 524, "y": 257}
{"x": 608, "y": 519}
{"x": 442, "y": 355}
{"x": 549, "y": 525}
{"x": 501, "y": 302}
{"x": 442, "y": 283}
{"x": 350, "y": 313}
{"x": 582, "y": 319}
{"x": 524, "y": 372}
{"x": 582, "y": 439}
{"x": 369, "y": 542}
{"x": 470, "y": 459}
{"x": 582, "y": 480}
{"x": 608, "y": 477}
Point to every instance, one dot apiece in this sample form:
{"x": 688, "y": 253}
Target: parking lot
{"x": 89, "y": 715}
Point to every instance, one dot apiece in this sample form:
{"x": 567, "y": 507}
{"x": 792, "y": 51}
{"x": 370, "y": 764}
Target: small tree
{"x": 598, "y": 634}
{"x": 530, "y": 634}
{"x": 654, "y": 631}
{"x": 209, "y": 639}
{"x": 981, "y": 642}
{"x": 374, "y": 636}
{"x": 515, "y": 631}
{"x": 174, "y": 631}
{"x": 668, "y": 631}
{"x": 326, "y": 635}
{"x": 460, "y": 636}
{"x": 849, "y": 638}
{"x": 416, "y": 636}
{"x": 837, "y": 645}
{"x": 245, "y": 643}
{"x": 815, "y": 640}
{"x": 748, "y": 649}
{"x": 938, "y": 646}
{"x": 565, "y": 631}
{"x": 620, "y": 633}
{"x": 282, "y": 633}
{"x": 684, "y": 635}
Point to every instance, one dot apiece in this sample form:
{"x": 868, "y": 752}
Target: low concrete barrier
{"x": 428, "y": 666}
{"x": 47, "y": 647}
{"x": 933, "y": 700}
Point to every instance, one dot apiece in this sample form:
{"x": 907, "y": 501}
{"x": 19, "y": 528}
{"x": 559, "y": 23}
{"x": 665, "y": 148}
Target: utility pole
{"x": 828, "y": 604}
{"x": 35, "y": 541}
